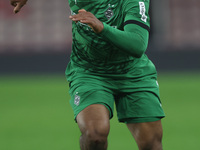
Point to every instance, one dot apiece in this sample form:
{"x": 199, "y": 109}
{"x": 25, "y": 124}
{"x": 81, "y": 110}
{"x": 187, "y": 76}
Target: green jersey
{"x": 99, "y": 53}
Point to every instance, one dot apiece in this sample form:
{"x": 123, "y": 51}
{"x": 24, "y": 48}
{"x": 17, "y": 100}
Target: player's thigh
{"x": 147, "y": 134}
{"x": 92, "y": 102}
{"x": 94, "y": 120}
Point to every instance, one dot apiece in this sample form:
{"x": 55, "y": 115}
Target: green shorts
{"x": 136, "y": 100}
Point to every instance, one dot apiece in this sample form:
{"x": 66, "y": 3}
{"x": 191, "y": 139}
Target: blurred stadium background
{"x": 35, "y": 47}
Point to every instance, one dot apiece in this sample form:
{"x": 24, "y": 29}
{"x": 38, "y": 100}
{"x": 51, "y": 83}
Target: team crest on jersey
{"x": 109, "y": 12}
{"x": 77, "y": 99}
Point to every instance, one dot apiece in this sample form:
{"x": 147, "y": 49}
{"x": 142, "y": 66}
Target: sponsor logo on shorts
{"x": 76, "y": 99}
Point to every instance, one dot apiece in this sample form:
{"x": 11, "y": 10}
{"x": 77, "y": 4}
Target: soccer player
{"x": 108, "y": 65}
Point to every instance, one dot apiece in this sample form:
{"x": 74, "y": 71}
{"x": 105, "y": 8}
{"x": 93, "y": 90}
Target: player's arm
{"x": 133, "y": 40}
{"x": 18, "y": 4}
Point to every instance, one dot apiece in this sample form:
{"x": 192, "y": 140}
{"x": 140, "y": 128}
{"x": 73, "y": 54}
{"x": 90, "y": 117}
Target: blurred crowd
{"x": 185, "y": 23}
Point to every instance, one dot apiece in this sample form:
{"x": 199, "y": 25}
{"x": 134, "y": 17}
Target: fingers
{"x": 18, "y": 7}
{"x": 82, "y": 10}
{"x": 88, "y": 18}
{"x": 82, "y": 15}
{"x": 13, "y": 3}
{"x": 86, "y": 21}
{"x": 18, "y": 4}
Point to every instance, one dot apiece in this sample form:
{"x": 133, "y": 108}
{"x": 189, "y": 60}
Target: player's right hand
{"x": 88, "y": 18}
{"x": 18, "y": 4}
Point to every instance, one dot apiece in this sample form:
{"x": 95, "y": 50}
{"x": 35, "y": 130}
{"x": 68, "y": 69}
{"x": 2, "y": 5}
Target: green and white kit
{"x": 111, "y": 67}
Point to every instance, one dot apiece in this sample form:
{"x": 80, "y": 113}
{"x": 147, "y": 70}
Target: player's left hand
{"x": 88, "y": 18}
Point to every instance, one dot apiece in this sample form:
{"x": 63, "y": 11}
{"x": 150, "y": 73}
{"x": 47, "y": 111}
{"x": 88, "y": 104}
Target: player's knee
{"x": 97, "y": 140}
{"x": 154, "y": 143}
{"x": 151, "y": 146}
{"x": 96, "y": 136}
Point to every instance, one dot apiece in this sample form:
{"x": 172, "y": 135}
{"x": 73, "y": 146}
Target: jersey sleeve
{"x": 134, "y": 37}
{"x": 133, "y": 40}
{"x": 137, "y": 12}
